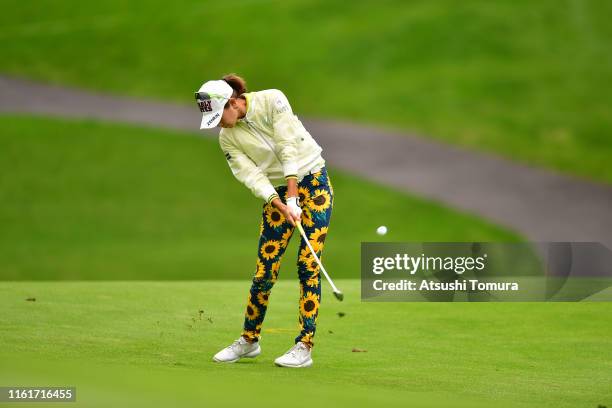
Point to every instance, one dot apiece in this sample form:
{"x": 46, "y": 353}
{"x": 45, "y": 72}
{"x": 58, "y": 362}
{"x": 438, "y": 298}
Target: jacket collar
{"x": 249, "y": 106}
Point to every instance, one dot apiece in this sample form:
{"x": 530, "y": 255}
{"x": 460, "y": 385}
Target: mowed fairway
{"x": 142, "y": 343}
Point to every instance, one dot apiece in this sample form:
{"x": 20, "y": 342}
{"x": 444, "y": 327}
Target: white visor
{"x": 211, "y": 98}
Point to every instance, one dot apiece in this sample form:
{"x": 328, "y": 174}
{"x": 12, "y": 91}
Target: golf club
{"x": 339, "y": 295}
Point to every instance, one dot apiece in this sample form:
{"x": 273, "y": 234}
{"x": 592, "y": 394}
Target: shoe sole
{"x": 252, "y": 354}
{"x": 303, "y": 365}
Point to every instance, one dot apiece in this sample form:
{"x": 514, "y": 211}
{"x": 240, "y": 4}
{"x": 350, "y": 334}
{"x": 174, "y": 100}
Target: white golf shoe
{"x": 238, "y": 349}
{"x": 297, "y": 356}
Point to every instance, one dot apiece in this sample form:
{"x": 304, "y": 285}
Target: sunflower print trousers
{"x": 316, "y": 200}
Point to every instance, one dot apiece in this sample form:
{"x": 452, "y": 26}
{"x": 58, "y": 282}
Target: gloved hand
{"x": 293, "y": 203}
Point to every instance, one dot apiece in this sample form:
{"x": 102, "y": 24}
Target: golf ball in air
{"x": 382, "y": 230}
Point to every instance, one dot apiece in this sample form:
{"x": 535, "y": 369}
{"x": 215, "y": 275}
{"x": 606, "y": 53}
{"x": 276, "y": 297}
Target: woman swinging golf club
{"x": 270, "y": 152}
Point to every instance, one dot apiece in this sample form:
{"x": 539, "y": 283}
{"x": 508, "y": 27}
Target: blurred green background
{"x": 526, "y": 80}
{"x": 90, "y": 200}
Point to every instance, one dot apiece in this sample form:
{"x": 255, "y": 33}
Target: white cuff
{"x": 290, "y": 169}
{"x": 267, "y": 191}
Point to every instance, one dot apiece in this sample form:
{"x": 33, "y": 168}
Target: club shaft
{"x": 334, "y": 288}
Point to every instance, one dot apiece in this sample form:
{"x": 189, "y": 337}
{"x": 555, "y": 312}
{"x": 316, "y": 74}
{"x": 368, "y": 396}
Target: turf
{"x": 148, "y": 341}
{"x": 523, "y": 79}
{"x": 87, "y": 200}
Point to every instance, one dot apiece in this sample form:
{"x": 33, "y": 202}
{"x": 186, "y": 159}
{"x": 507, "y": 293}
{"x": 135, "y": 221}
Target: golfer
{"x": 268, "y": 150}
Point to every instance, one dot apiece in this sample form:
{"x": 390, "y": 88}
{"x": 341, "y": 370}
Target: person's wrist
{"x": 273, "y": 197}
{"x": 276, "y": 202}
{"x": 294, "y": 200}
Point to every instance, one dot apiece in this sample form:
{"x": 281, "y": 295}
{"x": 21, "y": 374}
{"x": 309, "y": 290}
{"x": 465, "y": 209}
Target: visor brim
{"x": 210, "y": 120}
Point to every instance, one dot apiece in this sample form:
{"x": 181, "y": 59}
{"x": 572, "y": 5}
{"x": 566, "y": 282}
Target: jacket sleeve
{"x": 247, "y": 172}
{"x": 286, "y": 133}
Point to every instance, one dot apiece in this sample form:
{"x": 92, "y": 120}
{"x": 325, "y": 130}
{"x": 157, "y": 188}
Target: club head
{"x": 339, "y": 296}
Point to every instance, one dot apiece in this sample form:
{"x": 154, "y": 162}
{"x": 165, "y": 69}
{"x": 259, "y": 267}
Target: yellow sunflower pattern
{"x": 252, "y": 311}
{"x": 252, "y": 334}
{"x": 308, "y": 338}
{"x": 317, "y": 240}
{"x": 320, "y": 201}
{"x": 306, "y": 255}
{"x": 313, "y": 281}
{"x": 304, "y": 194}
{"x": 318, "y": 236}
{"x": 307, "y": 217}
{"x": 285, "y": 237}
{"x": 270, "y": 249}
{"x": 316, "y": 201}
{"x": 263, "y": 298}
{"x": 275, "y": 269}
{"x": 261, "y": 270}
{"x": 309, "y": 305}
{"x": 274, "y": 217}
{"x": 315, "y": 179}
{"x": 312, "y": 266}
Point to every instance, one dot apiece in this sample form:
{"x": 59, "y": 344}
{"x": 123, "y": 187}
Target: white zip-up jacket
{"x": 269, "y": 145}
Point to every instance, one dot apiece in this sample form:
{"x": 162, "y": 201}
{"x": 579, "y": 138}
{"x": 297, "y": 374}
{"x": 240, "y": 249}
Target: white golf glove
{"x": 294, "y": 206}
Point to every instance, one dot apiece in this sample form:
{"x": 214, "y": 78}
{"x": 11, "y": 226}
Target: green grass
{"x": 86, "y": 200}
{"x": 145, "y": 341}
{"x": 527, "y": 80}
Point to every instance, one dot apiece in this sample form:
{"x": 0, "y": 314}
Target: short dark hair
{"x": 237, "y": 83}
